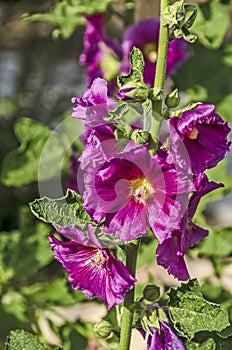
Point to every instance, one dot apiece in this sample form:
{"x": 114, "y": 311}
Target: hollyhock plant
{"x": 199, "y": 138}
{"x": 164, "y": 338}
{"x": 145, "y": 36}
{"x": 133, "y": 191}
{"x": 132, "y": 180}
{"x": 170, "y": 253}
{"x": 92, "y": 268}
{"x": 101, "y": 54}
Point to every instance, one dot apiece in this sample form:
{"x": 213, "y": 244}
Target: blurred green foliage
{"x": 68, "y": 14}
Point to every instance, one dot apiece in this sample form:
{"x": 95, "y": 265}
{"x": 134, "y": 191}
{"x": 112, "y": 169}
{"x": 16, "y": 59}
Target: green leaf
{"x": 227, "y": 57}
{"x": 14, "y": 303}
{"x": 224, "y": 344}
{"x": 51, "y": 293}
{"x": 206, "y": 345}
{"x": 136, "y": 69}
{"x": 22, "y": 340}
{"x": 118, "y": 112}
{"x": 68, "y": 14}
{"x": 212, "y": 23}
{"x": 8, "y": 245}
{"x": 30, "y": 240}
{"x": 224, "y": 107}
{"x": 218, "y": 243}
{"x": 191, "y": 313}
{"x": 20, "y": 167}
{"x": 65, "y": 211}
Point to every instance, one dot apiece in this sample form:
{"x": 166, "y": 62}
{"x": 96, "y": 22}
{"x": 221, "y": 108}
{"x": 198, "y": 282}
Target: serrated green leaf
{"x": 64, "y": 211}
{"x": 136, "y": 69}
{"x": 212, "y": 23}
{"x": 22, "y": 340}
{"x": 191, "y": 313}
{"x": 20, "y": 167}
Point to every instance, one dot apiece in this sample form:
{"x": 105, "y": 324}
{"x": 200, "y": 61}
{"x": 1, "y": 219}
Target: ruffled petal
{"x": 169, "y": 256}
{"x": 93, "y": 271}
{"x": 199, "y": 138}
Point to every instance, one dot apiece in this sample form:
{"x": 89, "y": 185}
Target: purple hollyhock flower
{"x": 145, "y": 35}
{"x": 134, "y": 190}
{"x": 164, "y": 339}
{"x": 170, "y": 252}
{"x": 92, "y": 269}
{"x": 199, "y": 138}
{"x": 101, "y": 55}
{"x": 93, "y": 106}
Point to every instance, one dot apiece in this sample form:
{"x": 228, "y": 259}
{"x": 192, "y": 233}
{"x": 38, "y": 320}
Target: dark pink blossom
{"x": 92, "y": 268}
{"x": 93, "y": 106}
{"x": 145, "y": 35}
{"x": 134, "y": 190}
{"x": 170, "y": 252}
{"x": 199, "y": 138}
{"x": 101, "y": 55}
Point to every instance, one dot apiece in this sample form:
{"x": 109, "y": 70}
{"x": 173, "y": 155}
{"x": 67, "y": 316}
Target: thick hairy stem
{"x": 127, "y": 316}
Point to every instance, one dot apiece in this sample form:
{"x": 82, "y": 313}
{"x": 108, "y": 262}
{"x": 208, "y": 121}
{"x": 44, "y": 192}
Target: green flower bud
{"x": 179, "y": 17}
{"x": 133, "y": 91}
{"x": 151, "y": 292}
{"x": 123, "y": 130}
{"x": 103, "y": 329}
{"x": 190, "y": 15}
{"x": 140, "y": 136}
{"x": 172, "y": 99}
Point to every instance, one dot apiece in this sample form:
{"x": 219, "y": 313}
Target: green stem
{"x": 159, "y": 78}
{"x": 127, "y": 316}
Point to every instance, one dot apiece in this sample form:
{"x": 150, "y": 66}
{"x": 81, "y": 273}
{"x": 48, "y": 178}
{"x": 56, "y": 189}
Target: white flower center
{"x": 98, "y": 259}
{"x": 141, "y": 189}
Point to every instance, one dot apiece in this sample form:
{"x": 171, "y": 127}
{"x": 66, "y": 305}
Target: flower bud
{"x": 151, "y": 292}
{"x": 190, "y": 15}
{"x": 123, "y": 130}
{"x": 134, "y": 91}
{"x": 140, "y": 136}
{"x": 103, "y": 329}
{"x": 172, "y": 99}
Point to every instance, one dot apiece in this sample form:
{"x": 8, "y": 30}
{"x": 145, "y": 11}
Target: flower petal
{"x": 93, "y": 271}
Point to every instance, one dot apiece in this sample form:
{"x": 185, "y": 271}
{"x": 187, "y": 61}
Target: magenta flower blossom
{"x": 170, "y": 253}
{"x": 199, "y": 138}
{"x": 101, "y": 55}
{"x": 92, "y": 269}
{"x": 133, "y": 191}
{"x": 144, "y": 35}
{"x": 93, "y": 106}
{"x": 164, "y": 339}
